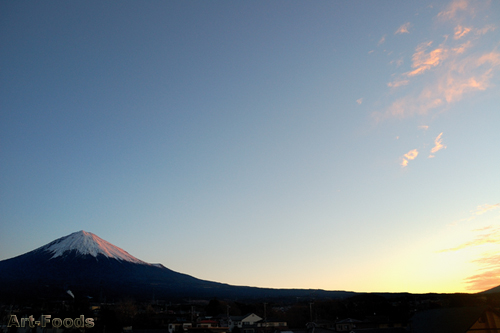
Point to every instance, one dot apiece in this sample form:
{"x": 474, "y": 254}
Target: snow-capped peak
{"x": 86, "y": 243}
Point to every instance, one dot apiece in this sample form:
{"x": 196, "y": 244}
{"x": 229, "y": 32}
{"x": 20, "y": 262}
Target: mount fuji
{"x": 86, "y": 243}
{"x": 92, "y": 267}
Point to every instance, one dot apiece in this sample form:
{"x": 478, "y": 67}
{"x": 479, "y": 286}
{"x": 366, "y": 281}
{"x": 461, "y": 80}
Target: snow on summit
{"x": 86, "y": 243}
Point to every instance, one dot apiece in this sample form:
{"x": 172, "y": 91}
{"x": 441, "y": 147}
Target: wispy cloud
{"x": 448, "y": 71}
{"x": 485, "y": 30}
{"x": 488, "y": 275}
{"x": 491, "y": 236}
{"x": 470, "y": 74}
{"x": 411, "y": 155}
{"x": 382, "y": 40}
{"x": 484, "y": 280}
{"x": 398, "y": 62}
{"x": 359, "y": 100}
{"x": 438, "y": 145}
{"x": 452, "y": 9}
{"x": 424, "y": 127}
{"x": 459, "y": 49}
{"x": 489, "y": 261}
{"x": 484, "y": 208}
{"x": 403, "y": 29}
{"x": 399, "y": 83}
{"x": 423, "y": 61}
{"x": 461, "y": 31}
{"x": 492, "y": 58}
{"x": 457, "y": 78}
{"x": 409, "y": 105}
{"x": 480, "y": 210}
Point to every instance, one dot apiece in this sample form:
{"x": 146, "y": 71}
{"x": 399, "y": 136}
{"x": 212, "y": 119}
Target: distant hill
{"x": 89, "y": 266}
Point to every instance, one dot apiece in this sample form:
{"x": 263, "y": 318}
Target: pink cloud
{"x": 381, "y": 41}
{"x": 411, "y": 155}
{"x": 489, "y": 261}
{"x": 399, "y": 83}
{"x": 489, "y": 275}
{"x": 485, "y": 30}
{"x": 462, "y": 47}
{"x": 398, "y": 62}
{"x": 455, "y": 78}
{"x": 450, "y": 71}
{"x": 493, "y": 58}
{"x": 452, "y": 9}
{"x": 453, "y": 88}
{"x": 409, "y": 105}
{"x": 485, "y": 280}
{"x": 403, "y": 29}
{"x": 461, "y": 31}
{"x": 437, "y": 145}
{"x": 423, "y": 61}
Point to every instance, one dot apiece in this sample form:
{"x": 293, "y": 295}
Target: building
{"x": 456, "y": 320}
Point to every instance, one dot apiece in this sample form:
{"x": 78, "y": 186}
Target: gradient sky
{"x": 341, "y": 145}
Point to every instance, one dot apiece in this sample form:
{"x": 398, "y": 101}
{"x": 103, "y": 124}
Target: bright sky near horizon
{"x": 340, "y": 145}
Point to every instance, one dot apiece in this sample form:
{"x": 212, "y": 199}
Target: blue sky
{"x": 333, "y": 145}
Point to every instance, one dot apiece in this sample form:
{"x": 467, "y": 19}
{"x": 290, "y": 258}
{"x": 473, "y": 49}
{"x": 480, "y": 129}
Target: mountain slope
{"x": 491, "y": 290}
{"x": 90, "y": 266}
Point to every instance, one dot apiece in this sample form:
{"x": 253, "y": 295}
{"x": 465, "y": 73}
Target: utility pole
{"x": 265, "y": 313}
{"x": 310, "y": 312}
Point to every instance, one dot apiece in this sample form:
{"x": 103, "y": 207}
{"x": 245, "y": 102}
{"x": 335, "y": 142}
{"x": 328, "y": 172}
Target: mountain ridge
{"x": 92, "y": 267}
